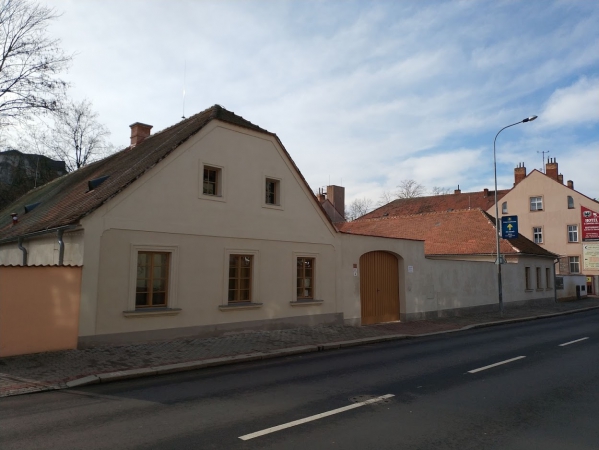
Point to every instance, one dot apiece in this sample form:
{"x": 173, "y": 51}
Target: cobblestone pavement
{"x": 51, "y": 370}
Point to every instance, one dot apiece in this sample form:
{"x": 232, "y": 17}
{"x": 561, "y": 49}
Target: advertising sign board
{"x": 590, "y": 224}
{"x": 590, "y": 255}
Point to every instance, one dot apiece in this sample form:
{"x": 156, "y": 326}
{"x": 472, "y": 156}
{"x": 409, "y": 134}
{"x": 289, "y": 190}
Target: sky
{"x": 362, "y": 94}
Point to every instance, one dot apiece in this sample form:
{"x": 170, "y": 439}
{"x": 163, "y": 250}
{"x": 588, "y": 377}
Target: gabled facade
{"x": 550, "y": 214}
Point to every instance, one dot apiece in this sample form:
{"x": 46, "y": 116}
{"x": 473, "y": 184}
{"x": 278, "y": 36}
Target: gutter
{"x": 58, "y": 230}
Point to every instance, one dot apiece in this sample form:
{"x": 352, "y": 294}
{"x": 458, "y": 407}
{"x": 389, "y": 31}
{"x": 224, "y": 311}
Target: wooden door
{"x": 379, "y": 287}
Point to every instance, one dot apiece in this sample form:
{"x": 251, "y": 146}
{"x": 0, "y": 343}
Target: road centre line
{"x": 573, "y": 342}
{"x": 312, "y": 418}
{"x": 496, "y": 364}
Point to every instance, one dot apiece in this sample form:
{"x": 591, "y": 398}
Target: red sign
{"x": 590, "y": 224}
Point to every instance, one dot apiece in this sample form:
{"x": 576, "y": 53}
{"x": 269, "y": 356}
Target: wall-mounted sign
{"x": 410, "y": 269}
{"x": 509, "y": 227}
{"x": 590, "y": 255}
{"x": 590, "y": 224}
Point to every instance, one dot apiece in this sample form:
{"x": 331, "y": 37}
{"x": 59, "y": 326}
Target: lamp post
{"x": 497, "y": 226}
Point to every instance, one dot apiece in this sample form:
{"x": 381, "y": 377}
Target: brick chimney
{"x": 560, "y": 178}
{"x": 519, "y": 173}
{"x": 486, "y": 192}
{"x": 336, "y": 195}
{"x": 458, "y": 190}
{"x": 551, "y": 169}
{"x": 139, "y": 132}
{"x": 571, "y": 184}
{"x": 321, "y": 195}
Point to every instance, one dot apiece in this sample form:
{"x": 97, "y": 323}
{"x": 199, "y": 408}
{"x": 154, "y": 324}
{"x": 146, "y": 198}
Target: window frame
{"x": 504, "y": 208}
{"x": 539, "y": 277}
{"x": 548, "y": 278}
{"x": 254, "y": 279}
{"x": 278, "y": 193}
{"x": 527, "y": 279}
{"x": 172, "y": 279}
{"x": 312, "y": 287}
{"x": 534, "y": 235}
{"x": 571, "y": 202}
{"x": 538, "y": 199}
{"x": 570, "y": 262}
{"x": 220, "y": 185}
{"x": 238, "y": 277}
{"x": 570, "y": 233}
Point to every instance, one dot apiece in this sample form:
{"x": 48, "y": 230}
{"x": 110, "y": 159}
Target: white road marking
{"x": 312, "y": 418}
{"x": 573, "y": 342}
{"x": 496, "y": 364}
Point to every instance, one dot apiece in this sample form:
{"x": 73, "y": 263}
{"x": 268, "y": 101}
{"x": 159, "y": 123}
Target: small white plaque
{"x": 355, "y": 272}
{"x": 410, "y": 269}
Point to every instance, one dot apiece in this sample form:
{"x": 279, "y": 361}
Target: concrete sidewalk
{"x": 70, "y": 368}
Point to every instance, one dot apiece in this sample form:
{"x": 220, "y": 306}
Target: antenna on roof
{"x": 184, "y": 73}
{"x": 543, "y": 160}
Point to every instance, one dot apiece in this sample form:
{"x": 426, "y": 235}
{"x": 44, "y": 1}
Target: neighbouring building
{"x": 557, "y": 217}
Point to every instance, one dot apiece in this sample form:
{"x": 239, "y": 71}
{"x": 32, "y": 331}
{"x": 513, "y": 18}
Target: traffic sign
{"x": 509, "y": 227}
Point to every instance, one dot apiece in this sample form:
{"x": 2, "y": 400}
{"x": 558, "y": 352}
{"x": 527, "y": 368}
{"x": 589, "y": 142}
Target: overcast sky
{"x": 362, "y": 94}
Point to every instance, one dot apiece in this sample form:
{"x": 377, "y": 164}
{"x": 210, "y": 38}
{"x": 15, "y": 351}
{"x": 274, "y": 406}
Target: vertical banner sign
{"x": 590, "y": 224}
{"x": 590, "y": 255}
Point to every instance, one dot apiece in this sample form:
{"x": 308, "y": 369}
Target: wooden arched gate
{"x": 379, "y": 287}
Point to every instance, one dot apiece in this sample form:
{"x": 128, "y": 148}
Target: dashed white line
{"x": 312, "y": 418}
{"x": 573, "y": 342}
{"x": 496, "y": 364}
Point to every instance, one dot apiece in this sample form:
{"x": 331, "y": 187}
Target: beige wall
{"x": 555, "y": 216}
{"x": 40, "y": 316}
{"x": 44, "y": 250}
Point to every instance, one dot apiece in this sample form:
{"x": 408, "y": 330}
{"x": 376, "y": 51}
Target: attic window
{"x": 93, "y": 184}
{"x": 31, "y": 207}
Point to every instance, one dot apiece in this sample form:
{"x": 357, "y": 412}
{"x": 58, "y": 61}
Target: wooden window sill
{"x": 306, "y": 302}
{"x": 151, "y": 312}
{"x": 240, "y": 306}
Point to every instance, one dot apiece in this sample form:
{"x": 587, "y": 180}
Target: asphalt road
{"x": 439, "y": 396}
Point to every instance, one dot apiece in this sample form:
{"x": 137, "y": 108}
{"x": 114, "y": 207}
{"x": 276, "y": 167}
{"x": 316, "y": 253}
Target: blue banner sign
{"x": 509, "y": 227}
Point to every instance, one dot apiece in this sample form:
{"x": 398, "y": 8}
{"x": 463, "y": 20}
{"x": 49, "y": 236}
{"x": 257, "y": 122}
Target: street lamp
{"x": 497, "y": 226}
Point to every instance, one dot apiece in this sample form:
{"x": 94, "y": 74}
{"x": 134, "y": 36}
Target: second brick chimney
{"x": 336, "y": 195}
{"x": 519, "y": 173}
{"x": 571, "y": 184}
{"x": 139, "y": 132}
{"x": 551, "y": 169}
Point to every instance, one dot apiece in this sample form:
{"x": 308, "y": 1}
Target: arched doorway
{"x": 379, "y": 287}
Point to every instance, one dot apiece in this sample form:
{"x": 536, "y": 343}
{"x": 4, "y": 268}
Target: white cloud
{"x": 573, "y": 105}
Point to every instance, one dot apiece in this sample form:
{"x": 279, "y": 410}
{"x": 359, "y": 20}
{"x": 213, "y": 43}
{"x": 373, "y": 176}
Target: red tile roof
{"x": 464, "y": 232}
{"x": 437, "y": 203}
{"x": 66, "y": 200}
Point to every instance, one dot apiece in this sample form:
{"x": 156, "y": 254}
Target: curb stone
{"x": 226, "y": 360}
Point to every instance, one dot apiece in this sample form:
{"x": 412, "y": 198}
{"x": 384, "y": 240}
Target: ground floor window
{"x": 527, "y": 278}
{"x": 574, "y": 262}
{"x": 539, "y": 281}
{"x": 305, "y": 278}
{"x": 152, "y": 279}
{"x": 240, "y": 278}
{"x": 548, "y": 278}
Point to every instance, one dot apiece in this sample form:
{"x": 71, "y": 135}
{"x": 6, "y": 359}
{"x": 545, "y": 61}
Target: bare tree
{"x": 75, "y": 136}
{"x": 410, "y": 189}
{"x": 358, "y": 208}
{"x": 386, "y": 197}
{"x": 440, "y": 190}
{"x": 29, "y": 62}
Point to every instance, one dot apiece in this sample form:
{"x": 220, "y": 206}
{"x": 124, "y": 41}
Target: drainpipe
{"x": 60, "y": 247}
{"x": 23, "y": 249}
{"x": 556, "y": 261}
